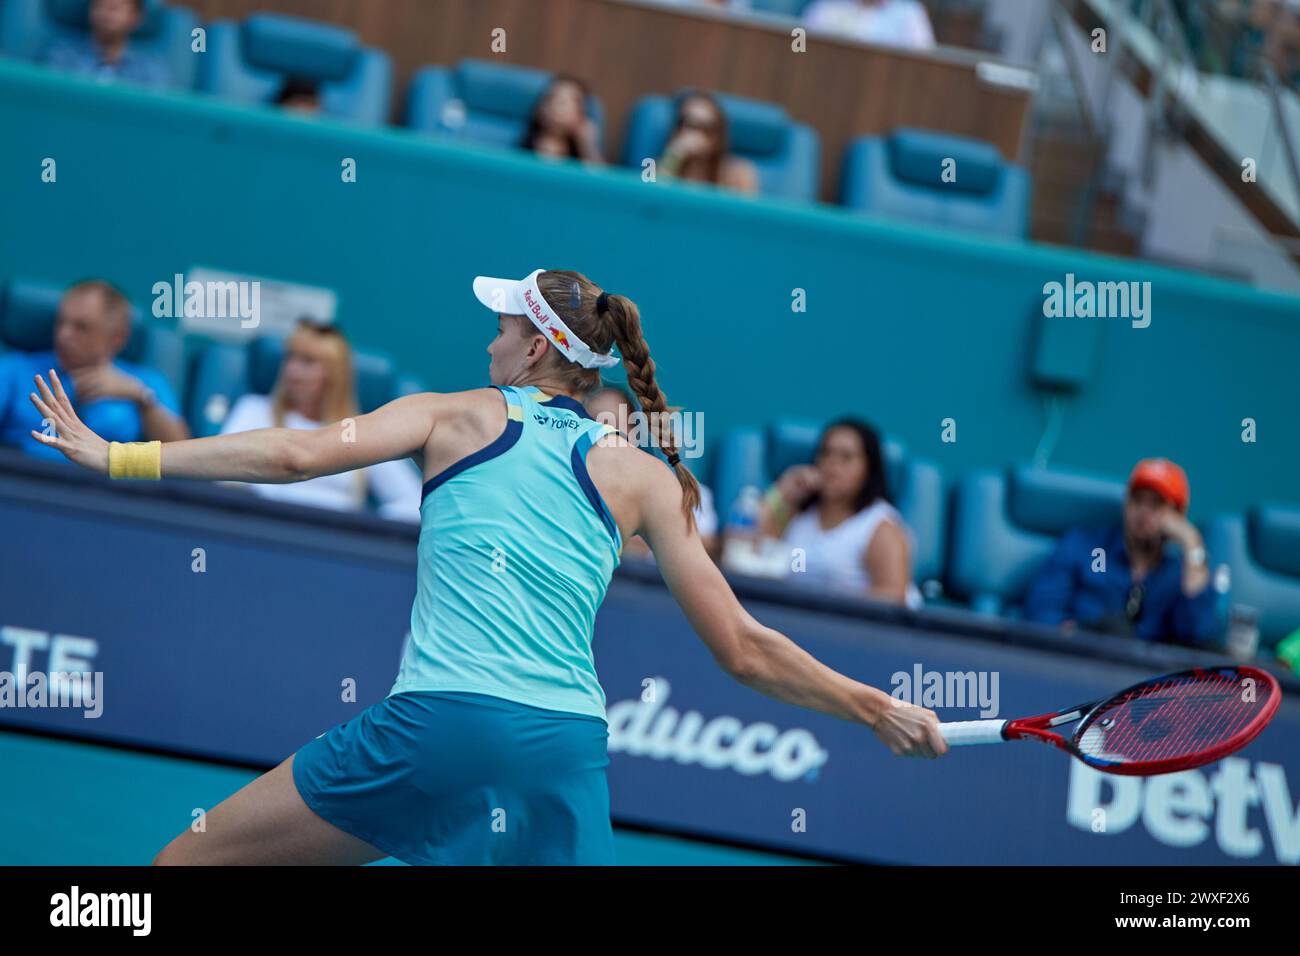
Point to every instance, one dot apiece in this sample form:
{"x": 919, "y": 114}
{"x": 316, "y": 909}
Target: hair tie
{"x": 602, "y": 303}
{"x": 673, "y": 460}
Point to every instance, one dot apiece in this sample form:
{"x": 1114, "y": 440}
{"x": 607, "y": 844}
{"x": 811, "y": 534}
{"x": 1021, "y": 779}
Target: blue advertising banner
{"x": 691, "y": 749}
{"x": 230, "y": 629}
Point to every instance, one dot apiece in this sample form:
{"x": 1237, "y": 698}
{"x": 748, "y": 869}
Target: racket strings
{"x": 1170, "y": 719}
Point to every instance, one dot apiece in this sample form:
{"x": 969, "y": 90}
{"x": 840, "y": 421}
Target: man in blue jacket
{"x": 120, "y": 401}
{"x": 106, "y": 52}
{"x": 1126, "y": 578}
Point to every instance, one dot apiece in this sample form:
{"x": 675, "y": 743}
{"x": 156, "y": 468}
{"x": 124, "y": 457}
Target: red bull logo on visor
{"x": 540, "y": 313}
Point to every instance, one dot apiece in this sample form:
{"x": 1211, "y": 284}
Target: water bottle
{"x": 742, "y": 530}
{"x": 1243, "y": 632}
{"x": 1221, "y": 582}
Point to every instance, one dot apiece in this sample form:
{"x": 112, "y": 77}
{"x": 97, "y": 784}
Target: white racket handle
{"x": 962, "y": 732}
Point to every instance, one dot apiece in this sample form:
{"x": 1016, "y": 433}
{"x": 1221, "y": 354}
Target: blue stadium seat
{"x": 27, "y": 27}
{"x": 27, "y": 314}
{"x": 785, "y": 8}
{"x": 1004, "y": 524}
{"x": 1262, "y": 549}
{"x": 786, "y": 153}
{"x": 752, "y": 456}
{"x": 740, "y": 460}
{"x": 160, "y": 347}
{"x": 249, "y": 62}
{"x": 219, "y": 377}
{"x": 480, "y": 102}
{"x": 901, "y": 177}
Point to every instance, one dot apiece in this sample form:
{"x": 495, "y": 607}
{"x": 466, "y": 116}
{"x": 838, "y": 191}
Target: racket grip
{"x": 962, "y": 732}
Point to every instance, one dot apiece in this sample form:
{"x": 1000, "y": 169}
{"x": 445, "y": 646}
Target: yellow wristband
{"x": 139, "y": 459}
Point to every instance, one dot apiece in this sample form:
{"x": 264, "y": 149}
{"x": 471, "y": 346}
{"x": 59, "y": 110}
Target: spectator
{"x": 1125, "y": 579}
{"x": 299, "y": 95}
{"x": 1277, "y": 32}
{"x": 698, "y": 148}
{"x": 559, "y": 125}
{"x": 712, "y": 4}
{"x": 613, "y": 406}
{"x": 900, "y": 23}
{"x": 120, "y": 401}
{"x": 106, "y": 52}
{"x": 316, "y": 386}
{"x": 837, "y": 512}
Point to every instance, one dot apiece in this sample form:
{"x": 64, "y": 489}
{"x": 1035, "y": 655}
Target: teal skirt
{"x": 464, "y": 779}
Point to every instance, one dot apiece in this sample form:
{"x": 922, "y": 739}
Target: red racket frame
{"x": 1035, "y": 728}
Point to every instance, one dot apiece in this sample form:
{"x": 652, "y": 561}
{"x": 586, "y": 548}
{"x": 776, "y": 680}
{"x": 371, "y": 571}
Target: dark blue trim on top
{"x": 579, "y": 461}
{"x": 564, "y": 401}
{"x": 503, "y": 443}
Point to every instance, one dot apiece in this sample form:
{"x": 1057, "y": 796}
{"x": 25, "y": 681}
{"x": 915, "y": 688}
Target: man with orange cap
{"x": 1126, "y": 578}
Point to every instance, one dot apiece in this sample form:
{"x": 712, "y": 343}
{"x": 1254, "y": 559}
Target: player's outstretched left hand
{"x": 70, "y": 434}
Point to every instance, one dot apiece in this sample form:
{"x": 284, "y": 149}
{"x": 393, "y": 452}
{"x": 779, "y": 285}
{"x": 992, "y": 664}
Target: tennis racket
{"x": 1161, "y": 725}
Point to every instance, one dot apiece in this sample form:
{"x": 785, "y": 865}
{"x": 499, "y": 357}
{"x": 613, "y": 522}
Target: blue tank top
{"x": 516, "y": 550}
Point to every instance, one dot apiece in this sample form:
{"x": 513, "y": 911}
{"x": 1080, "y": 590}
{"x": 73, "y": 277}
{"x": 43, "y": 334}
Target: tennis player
{"x": 491, "y": 745}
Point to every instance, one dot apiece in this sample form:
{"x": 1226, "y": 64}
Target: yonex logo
{"x": 556, "y": 423}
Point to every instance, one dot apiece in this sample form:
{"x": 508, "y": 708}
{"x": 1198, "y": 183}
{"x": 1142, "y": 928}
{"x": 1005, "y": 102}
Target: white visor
{"x": 522, "y": 297}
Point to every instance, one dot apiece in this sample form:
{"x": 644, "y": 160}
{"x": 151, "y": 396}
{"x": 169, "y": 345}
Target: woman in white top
{"x": 316, "y": 385}
{"x": 836, "y": 512}
{"x": 900, "y": 23}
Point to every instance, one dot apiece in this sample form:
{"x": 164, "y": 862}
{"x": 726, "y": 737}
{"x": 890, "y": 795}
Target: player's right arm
{"x": 758, "y": 656}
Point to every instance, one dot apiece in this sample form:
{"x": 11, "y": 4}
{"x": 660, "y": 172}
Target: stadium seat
{"x": 901, "y": 177}
{"x": 752, "y": 456}
{"x": 1004, "y": 524}
{"x": 740, "y": 460}
{"x": 249, "y": 62}
{"x": 27, "y": 27}
{"x": 785, "y": 8}
{"x": 162, "y": 348}
{"x": 27, "y": 314}
{"x": 219, "y": 377}
{"x": 786, "y": 153}
{"x": 480, "y": 102}
{"x": 1262, "y": 550}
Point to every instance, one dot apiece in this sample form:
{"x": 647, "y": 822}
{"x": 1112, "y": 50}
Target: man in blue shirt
{"x": 105, "y": 53}
{"x": 1126, "y": 579}
{"x": 120, "y": 401}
